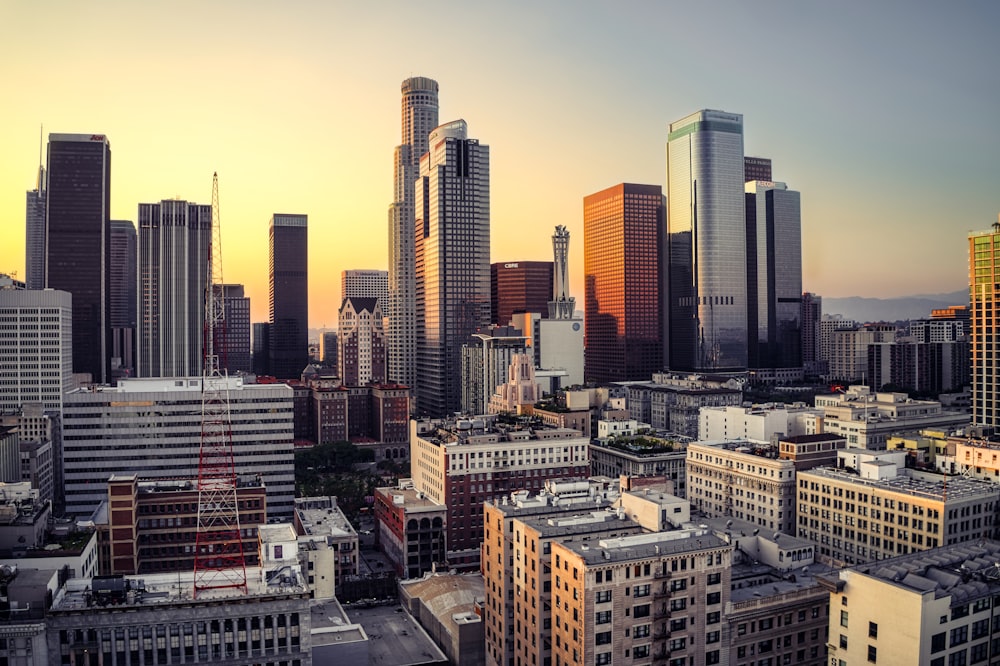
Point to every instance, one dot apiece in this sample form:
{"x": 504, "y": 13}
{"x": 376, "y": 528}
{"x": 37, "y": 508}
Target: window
{"x": 938, "y": 642}
{"x": 602, "y": 638}
{"x": 959, "y": 635}
{"x": 843, "y": 618}
{"x": 603, "y": 658}
{"x": 714, "y": 578}
{"x": 603, "y": 596}
{"x": 641, "y": 591}
{"x": 872, "y": 630}
{"x": 640, "y": 631}
{"x": 713, "y": 618}
{"x": 712, "y": 637}
{"x": 712, "y": 657}
{"x": 979, "y": 652}
{"x": 957, "y": 658}
{"x": 640, "y": 611}
{"x": 713, "y": 598}
{"x": 980, "y": 628}
{"x": 602, "y": 617}
{"x": 640, "y": 651}
{"x": 843, "y": 642}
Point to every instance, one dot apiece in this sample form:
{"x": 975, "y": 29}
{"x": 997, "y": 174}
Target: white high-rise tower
{"x": 419, "y": 118}
{"x": 562, "y": 304}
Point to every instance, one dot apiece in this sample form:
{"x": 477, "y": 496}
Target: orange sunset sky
{"x": 884, "y": 119}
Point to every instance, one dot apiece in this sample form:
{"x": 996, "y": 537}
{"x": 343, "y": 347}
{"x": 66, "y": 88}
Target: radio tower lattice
{"x": 219, "y": 560}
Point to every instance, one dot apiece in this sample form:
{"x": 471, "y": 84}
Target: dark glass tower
{"x": 289, "y": 295}
{"x": 78, "y": 243}
{"x": 235, "y": 352}
{"x": 707, "y": 299}
{"x": 774, "y": 276}
{"x": 622, "y": 238}
{"x": 123, "y": 296}
{"x": 520, "y": 286}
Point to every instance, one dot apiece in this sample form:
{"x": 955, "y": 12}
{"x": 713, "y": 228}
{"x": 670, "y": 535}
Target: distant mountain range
{"x": 892, "y": 309}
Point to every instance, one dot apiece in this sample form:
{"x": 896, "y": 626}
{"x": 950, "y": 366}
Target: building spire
{"x": 40, "y": 184}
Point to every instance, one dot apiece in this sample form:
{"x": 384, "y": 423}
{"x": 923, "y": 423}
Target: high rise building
{"x": 756, "y": 168}
{"x": 175, "y": 240}
{"x": 984, "y": 260}
{"x": 36, "y": 348}
{"x": 622, "y": 236}
{"x": 452, "y": 221}
{"x": 361, "y": 342}
{"x": 811, "y": 314}
{"x": 289, "y": 295}
{"x": 235, "y": 342}
{"x": 486, "y": 358}
{"x": 34, "y": 236}
{"x": 774, "y": 275}
{"x": 77, "y": 242}
{"x": 419, "y": 118}
{"x": 261, "y": 342}
{"x": 124, "y": 298}
{"x": 706, "y": 300}
{"x": 519, "y": 286}
{"x": 357, "y": 283}
{"x": 328, "y": 349}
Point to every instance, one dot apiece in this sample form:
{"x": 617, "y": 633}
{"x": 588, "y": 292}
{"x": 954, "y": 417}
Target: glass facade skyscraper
{"x": 452, "y": 222}
{"x": 622, "y": 239}
{"x": 289, "y": 296}
{"x": 706, "y": 297}
{"x": 984, "y": 341}
{"x": 774, "y": 275}
{"x": 78, "y": 243}
{"x": 419, "y": 115}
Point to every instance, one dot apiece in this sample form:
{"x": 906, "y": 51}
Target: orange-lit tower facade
{"x": 623, "y": 232}
{"x": 219, "y": 561}
{"x": 984, "y": 275}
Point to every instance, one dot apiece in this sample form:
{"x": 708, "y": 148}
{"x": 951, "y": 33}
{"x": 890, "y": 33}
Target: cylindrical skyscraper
{"x": 419, "y": 117}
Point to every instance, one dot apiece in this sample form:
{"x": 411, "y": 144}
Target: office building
{"x": 486, "y": 359}
{"x": 810, "y": 316}
{"x": 418, "y": 118}
{"x": 452, "y": 220}
{"x": 944, "y": 598}
{"x": 152, "y": 428}
{"x": 328, "y": 349}
{"x": 847, "y": 359}
{"x": 451, "y": 460}
{"x": 358, "y": 283}
{"x": 707, "y": 300}
{"x": 261, "y": 358}
{"x": 622, "y": 239}
{"x": 34, "y": 233}
{"x": 288, "y": 263}
{"x": 758, "y": 423}
{"x": 520, "y": 392}
{"x": 984, "y": 260}
{"x": 36, "y": 348}
{"x": 642, "y": 456}
{"x": 756, "y": 168}
{"x": 870, "y": 507}
{"x": 673, "y": 402}
{"x": 411, "y": 530}
{"x": 774, "y": 276}
{"x": 175, "y": 243}
{"x": 867, "y": 419}
{"x": 927, "y": 368}
{"x": 124, "y": 297}
{"x": 519, "y": 286}
{"x": 234, "y": 339}
{"x": 78, "y": 242}
{"x": 361, "y": 354}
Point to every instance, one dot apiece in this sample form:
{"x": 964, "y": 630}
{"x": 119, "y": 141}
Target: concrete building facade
{"x": 36, "y": 348}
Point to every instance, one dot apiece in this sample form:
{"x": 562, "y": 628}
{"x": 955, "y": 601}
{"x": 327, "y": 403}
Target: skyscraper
{"x": 519, "y": 286}
{"x": 36, "y": 348}
{"x": 261, "y": 345}
{"x": 78, "y": 238}
{"x": 811, "y": 315}
{"x": 175, "y": 240}
{"x": 984, "y": 343}
{"x": 774, "y": 275}
{"x": 235, "y": 343}
{"x": 756, "y": 168}
{"x": 419, "y": 118}
{"x": 124, "y": 305}
{"x": 34, "y": 236}
{"x": 452, "y": 221}
{"x": 622, "y": 236}
{"x": 706, "y": 300}
{"x": 289, "y": 295}
{"x": 562, "y": 305}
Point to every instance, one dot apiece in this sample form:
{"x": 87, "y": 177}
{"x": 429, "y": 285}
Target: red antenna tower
{"x": 218, "y": 560}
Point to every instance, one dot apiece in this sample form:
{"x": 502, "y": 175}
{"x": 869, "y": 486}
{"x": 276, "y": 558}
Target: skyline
{"x": 881, "y": 119}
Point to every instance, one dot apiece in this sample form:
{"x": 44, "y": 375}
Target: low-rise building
{"x": 871, "y": 508}
{"x": 327, "y": 544}
{"x": 758, "y": 423}
{"x": 932, "y": 607}
{"x": 643, "y": 456}
{"x": 411, "y": 529}
{"x": 449, "y": 608}
{"x": 672, "y": 402}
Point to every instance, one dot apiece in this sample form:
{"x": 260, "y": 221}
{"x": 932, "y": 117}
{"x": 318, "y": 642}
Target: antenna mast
{"x": 219, "y": 561}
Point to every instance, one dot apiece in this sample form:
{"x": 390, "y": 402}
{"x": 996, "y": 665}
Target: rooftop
{"x": 917, "y": 484}
{"x": 322, "y": 517}
{"x": 646, "y": 546}
{"x": 396, "y": 638}
{"x": 150, "y": 590}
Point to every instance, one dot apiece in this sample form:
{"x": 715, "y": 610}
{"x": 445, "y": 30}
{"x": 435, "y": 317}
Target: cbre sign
{"x": 514, "y": 265}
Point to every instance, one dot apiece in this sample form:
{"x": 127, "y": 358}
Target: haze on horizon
{"x": 884, "y": 118}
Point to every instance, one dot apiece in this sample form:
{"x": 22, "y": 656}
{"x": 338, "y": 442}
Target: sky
{"x": 883, "y": 115}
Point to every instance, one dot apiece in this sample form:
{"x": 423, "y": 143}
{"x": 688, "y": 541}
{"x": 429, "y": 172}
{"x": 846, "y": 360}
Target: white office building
{"x": 36, "y": 347}
{"x": 152, "y": 428}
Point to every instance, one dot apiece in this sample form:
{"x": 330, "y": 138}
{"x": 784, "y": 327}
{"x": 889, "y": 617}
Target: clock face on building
{"x": 576, "y": 327}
